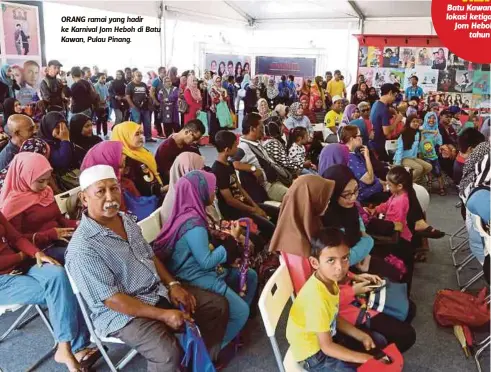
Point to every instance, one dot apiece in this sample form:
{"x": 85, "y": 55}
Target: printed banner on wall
{"x": 27, "y": 76}
{"x": 228, "y": 64}
{"x": 277, "y": 66}
{"x": 21, "y": 29}
{"x": 388, "y": 75}
{"x": 427, "y": 78}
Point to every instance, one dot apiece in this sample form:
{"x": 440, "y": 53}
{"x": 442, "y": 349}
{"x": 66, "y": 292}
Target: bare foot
{"x": 65, "y": 356}
{"x": 85, "y": 353}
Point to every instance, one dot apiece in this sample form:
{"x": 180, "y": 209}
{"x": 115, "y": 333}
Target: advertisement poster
{"x": 464, "y": 82}
{"x": 388, "y": 75}
{"x": 277, "y": 66}
{"x": 369, "y": 73}
{"x": 227, "y": 64}
{"x": 427, "y": 78}
{"x": 423, "y": 57}
{"x": 374, "y": 56}
{"x": 455, "y": 62}
{"x": 407, "y": 56}
{"x": 21, "y": 29}
{"x": 446, "y": 80}
{"x": 439, "y": 58}
{"x": 363, "y": 57}
{"x": 28, "y": 77}
{"x": 391, "y": 57}
{"x": 481, "y": 82}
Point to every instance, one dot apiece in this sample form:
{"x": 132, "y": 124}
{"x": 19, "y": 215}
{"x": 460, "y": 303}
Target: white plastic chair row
{"x": 20, "y": 321}
{"x": 274, "y": 297}
{"x": 151, "y": 226}
{"x": 62, "y": 198}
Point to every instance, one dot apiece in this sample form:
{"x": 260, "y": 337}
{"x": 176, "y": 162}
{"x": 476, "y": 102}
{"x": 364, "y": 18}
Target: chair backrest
{"x": 63, "y": 197}
{"x": 274, "y": 297}
{"x": 422, "y": 195}
{"x": 150, "y": 226}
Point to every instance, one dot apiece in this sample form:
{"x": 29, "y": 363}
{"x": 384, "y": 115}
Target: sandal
{"x": 89, "y": 359}
{"x": 420, "y": 256}
{"x": 442, "y": 192}
{"x": 431, "y": 232}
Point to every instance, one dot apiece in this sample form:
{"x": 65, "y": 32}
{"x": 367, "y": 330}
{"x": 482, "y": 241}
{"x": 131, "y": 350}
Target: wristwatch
{"x": 172, "y": 284}
{"x": 253, "y": 168}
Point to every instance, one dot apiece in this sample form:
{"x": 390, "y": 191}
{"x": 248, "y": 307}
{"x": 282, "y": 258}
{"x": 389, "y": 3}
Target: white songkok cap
{"x": 95, "y": 174}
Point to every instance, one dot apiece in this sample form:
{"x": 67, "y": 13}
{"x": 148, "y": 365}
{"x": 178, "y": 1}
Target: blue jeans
{"x": 138, "y": 115}
{"x": 478, "y": 204}
{"x": 475, "y": 240}
{"x": 49, "y": 285}
{"x": 239, "y": 307}
{"x": 306, "y": 172}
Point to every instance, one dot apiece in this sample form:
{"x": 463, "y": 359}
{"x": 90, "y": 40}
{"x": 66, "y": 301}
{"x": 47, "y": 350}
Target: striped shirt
{"x": 476, "y": 173}
{"x": 104, "y": 264}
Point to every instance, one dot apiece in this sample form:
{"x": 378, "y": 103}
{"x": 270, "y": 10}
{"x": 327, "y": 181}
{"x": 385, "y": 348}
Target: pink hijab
{"x": 184, "y": 163}
{"x": 16, "y": 195}
{"x": 195, "y": 92}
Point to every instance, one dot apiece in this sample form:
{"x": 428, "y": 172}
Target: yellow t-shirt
{"x": 333, "y": 119}
{"x": 335, "y": 88}
{"x": 314, "y": 311}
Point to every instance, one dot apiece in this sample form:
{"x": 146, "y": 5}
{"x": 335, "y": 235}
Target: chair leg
{"x": 105, "y": 355}
{"x": 16, "y": 323}
{"x": 479, "y": 352}
{"x": 277, "y": 354}
{"x": 46, "y": 321}
{"x": 461, "y": 267}
{"x": 474, "y": 279}
{"x": 456, "y": 235}
{"x": 126, "y": 359}
{"x": 462, "y": 247}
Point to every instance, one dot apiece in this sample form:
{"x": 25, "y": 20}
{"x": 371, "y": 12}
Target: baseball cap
{"x": 387, "y": 88}
{"x": 336, "y": 98}
{"x": 54, "y": 62}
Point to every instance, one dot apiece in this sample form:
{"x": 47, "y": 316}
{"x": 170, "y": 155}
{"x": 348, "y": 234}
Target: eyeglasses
{"x": 365, "y": 110}
{"x": 350, "y": 195}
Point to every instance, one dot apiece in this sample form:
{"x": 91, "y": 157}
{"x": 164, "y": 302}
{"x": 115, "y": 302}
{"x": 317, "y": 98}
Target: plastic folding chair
{"x": 151, "y": 226}
{"x": 94, "y": 337}
{"x": 21, "y": 321}
{"x": 484, "y": 345}
{"x": 276, "y": 293}
{"x": 63, "y": 197}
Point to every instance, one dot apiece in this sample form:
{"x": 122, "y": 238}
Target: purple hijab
{"x": 193, "y": 192}
{"x": 348, "y": 113}
{"x": 335, "y": 153}
{"x": 107, "y": 153}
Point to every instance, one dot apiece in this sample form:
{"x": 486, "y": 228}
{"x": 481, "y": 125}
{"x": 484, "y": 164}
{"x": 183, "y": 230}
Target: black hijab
{"x": 77, "y": 122}
{"x": 8, "y": 109}
{"x": 119, "y": 85}
{"x": 336, "y": 215}
{"x": 48, "y": 123}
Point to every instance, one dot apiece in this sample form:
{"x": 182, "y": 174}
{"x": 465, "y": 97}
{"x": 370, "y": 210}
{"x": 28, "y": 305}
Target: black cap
{"x": 54, "y": 62}
{"x": 386, "y": 88}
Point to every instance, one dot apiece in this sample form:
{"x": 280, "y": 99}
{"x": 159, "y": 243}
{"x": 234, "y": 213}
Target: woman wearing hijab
{"x": 220, "y": 113}
{"x": 304, "y": 102}
{"x": 305, "y": 90}
{"x": 272, "y": 94}
{"x": 183, "y": 244}
{"x": 8, "y": 86}
{"x": 117, "y": 97}
{"x": 141, "y": 166}
{"x": 263, "y": 108}
{"x": 334, "y": 153}
{"x": 250, "y": 99}
{"x": 28, "y": 203}
{"x": 82, "y": 137}
{"x": 317, "y": 91}
{"x": 351, "y": 113}
{"x": 296, "y": 118}
{"x": 275, "y": 146}
{"x": 111, "y": 153}
{"x": 192, "y": 96}
{"x": 11, "y": 106}
{"x": 168, "y": 97}
{"x": 372, "y": 96}
{"x": 53, "y": 130}
{"x": 300, "y": 219}
{"x": 173, "y": 76}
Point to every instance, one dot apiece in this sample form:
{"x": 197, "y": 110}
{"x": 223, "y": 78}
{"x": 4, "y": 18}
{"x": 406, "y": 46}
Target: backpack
{"x": 460, "y": 308}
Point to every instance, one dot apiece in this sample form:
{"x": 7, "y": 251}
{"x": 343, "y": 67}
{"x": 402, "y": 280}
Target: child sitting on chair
{"x": 313, "y": 323}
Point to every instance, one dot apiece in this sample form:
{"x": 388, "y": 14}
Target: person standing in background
{"x": 336, "y": 87}
{"x": 102, "y": 109}
{"x": 157, "y": 86}
{"x": 138, "y": 97}
{"x": 117, "y": 97}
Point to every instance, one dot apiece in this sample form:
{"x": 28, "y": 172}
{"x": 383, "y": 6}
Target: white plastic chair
{"x": 422, "y": 195}
{"x": 276, "y": 293}
{"x": 63, "y": 197}
{"x": 19, "y": 322}
{"x": 391, "y": 145}
{"x": 95, "y": 338}
{"x": 151, "y": 226}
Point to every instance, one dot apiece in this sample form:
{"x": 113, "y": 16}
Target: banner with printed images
{"x": 423, "y": 57}
{"x": 439, "y": 58}
{"x": 446, "y": 80}
{"x": 277, "y": 66}
{"x": 374, "y": 56}
{"x": 455, "y": 62}
{"x": 481, "y": 82}
{"x": 391, "y": 57}
{"x": 388, "y": 75}
{"x": 21, "y": 29}
{"x": 407, "y": 56}
{"x": 27, "y": 74}
{"x": 227, "y": 64}
{"x": 463, "y": 82}
{"x": 368, "y": 73}
{"x": 427, "y": 78}
{"x": 453, "y": 99}
{"x": 481, "y": 101}
{"x": 363, "y": 56}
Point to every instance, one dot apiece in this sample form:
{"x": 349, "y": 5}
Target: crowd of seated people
{"x": 342, "y": 220}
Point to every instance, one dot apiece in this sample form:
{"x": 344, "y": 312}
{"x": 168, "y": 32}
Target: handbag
{"x": 196, "y": 357}
{"x": 182, "y": 106}
{"x": 391, "y": 300}
{"x": 140, "y": 206}
{"x": 389, "y": 359}
{"x": 223, "y": 115}
{"x": 241, "y": 93}
{"x": 203, "y": 117}
{"x": 68, "y": 180}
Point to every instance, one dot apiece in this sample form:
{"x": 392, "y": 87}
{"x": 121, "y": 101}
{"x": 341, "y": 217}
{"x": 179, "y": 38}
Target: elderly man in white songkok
{"x": 129, "y": 291}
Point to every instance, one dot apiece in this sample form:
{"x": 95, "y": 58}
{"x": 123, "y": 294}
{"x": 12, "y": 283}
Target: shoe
{"x": 150, "y": 140}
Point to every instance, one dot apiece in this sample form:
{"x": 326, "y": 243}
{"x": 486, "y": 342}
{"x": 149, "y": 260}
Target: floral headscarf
{"x": 294, "y": 109}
